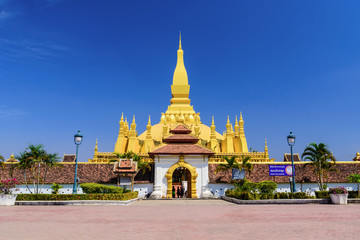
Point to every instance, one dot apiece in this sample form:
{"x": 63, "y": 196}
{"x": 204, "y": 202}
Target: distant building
{"x": 287, "y": 157}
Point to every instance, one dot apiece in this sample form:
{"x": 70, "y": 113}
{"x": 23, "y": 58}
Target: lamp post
{"x": 291, "y": 142}
{"x": 77, "y": 140}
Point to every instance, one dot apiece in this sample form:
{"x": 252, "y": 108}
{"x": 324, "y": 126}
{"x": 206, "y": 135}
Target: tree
{"x": 36, "y": 161}
{"x": 232, "y": 163}
{"x": 321, "y": 160}
{"x": 2, "y": 164}
{"x": 355, "y": 178}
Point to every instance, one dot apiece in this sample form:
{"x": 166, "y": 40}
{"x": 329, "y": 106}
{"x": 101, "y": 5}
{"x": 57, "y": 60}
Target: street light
{"x": 77, "y": 140}
{"x": 291, "y": 142}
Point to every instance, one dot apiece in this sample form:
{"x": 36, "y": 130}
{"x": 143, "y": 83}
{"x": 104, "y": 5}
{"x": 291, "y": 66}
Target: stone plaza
{"x": 181, "y": 219}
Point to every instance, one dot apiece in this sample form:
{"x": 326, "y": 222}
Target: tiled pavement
{"x": 181, "y": 219}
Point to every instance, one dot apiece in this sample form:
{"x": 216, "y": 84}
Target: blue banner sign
{"x": 280, "y": 170}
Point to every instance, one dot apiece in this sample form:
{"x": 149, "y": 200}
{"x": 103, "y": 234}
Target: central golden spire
{"x": 180, "y": 88}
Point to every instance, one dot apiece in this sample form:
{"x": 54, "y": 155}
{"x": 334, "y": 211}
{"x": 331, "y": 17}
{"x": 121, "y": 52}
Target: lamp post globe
{"x": 78, "y": 137}
{"x": 291, "y": 139}
{"x": 291, "y": 142}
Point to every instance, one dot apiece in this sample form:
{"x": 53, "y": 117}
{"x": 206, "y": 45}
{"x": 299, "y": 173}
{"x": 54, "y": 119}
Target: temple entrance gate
{"x": 177, "y": 172}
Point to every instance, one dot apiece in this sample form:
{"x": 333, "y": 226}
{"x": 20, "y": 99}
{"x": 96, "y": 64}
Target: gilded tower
{"x": 232, "y": 142}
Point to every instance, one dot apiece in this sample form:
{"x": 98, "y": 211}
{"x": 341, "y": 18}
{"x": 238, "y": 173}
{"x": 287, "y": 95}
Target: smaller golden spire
{"x": 122, "y": 117}
{"x": 149, "y": 122}
{"x": 266, "y": 149}
{"x": 96, "y": 146}
{"x": 180, "y": 40}
{"x": 133, "y": 121}
{"x": 241, "y": 118}
{"x": 212, "y": 123}
{"x": 228, "y": 120}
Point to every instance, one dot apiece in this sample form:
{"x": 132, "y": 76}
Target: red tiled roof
{"x": 181, "y": 138}
{"x": 125, "y": 166}
{"x": 287, "y": 157}
{"x": 180, "y": 129}
{"x": 181, "y": 148}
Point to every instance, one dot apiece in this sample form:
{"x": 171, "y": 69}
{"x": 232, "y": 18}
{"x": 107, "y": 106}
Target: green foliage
{"x": 99, "y": 188}
{"x": 232, "y": 163}
{"x": 250, "y": 187}
{"x": 267, "y": 187}
{"x": 321, "y": 160}
{"x": 2, "y": 160}
{"x": 355, "y": 178}
{"x": 35, "y": 163}
{"x": 69, "y": 197}
{"x": 353, "y": 194}
{"x": 322, "y": 194}
{"x": 247, "y": 190}
{"x": 55, "y": 188}
{"x": 285, "y": 195}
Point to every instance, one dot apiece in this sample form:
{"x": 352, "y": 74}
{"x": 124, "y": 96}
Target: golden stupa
{"x": 232, "y": 142}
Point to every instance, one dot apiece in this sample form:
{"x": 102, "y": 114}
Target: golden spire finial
{"x": 266, "y": 149}
{"x": 241, "y": 118}
{"x": 228, "y": 120}
{"x": 122, "y": 117}
{"x": 236, "y": 121}
{"x": 180, "y": 40}
{"x": 96, "y": 146}
{"x": 149, "y": 122}
{"x": 133, "y": 119}
{"x": 212, "y": 122}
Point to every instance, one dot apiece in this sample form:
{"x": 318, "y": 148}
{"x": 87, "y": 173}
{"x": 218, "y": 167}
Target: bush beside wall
{"x": 100, "y": 188}
{"x": 69, "y": 197}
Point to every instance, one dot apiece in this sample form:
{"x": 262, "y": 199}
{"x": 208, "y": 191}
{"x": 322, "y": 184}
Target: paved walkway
{"x": 181, "y": 219}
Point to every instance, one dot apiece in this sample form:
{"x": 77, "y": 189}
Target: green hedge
{"x": 68, "y": 197}
{"x": 246, "y": 195}
{"x": 325, "y": 194}
{"x": 100, "y": 188}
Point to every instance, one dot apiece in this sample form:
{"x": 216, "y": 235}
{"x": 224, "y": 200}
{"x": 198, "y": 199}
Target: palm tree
{"x": 2, "y": 164}
{"x": 321, "y": 159}
{"x": 38, "y": 161}
{"x": 355, "y": 178}
{"x": 232, "y": 163}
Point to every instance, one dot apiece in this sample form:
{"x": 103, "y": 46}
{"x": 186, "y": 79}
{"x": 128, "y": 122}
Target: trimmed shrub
{"x": 69, "y": 197}
{"x": 100, "y": 188}
{"x": 55, "y": 188}
{"x": 353, "y": 194}
{"x": 229, "y": 193}
{"x": 250, "y": 187}
{"x": 322, "y": 194}
{"x": 267, "y": 187}
{"x": 266, "y": 196}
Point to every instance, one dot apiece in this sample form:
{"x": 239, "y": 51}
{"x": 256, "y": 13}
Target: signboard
{"x": 280, "y": 170}
{"x": 237, "y": 174}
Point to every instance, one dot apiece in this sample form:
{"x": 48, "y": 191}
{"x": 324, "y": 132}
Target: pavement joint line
{"x": 76, "y": 202}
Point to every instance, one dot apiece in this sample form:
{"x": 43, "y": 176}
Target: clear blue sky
{"x": 287, "y": 65}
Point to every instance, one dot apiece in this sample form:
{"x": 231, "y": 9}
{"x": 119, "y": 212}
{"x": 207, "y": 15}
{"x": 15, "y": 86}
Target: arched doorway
{"x": 181, "y": 183}
{"x": 182, "y": 170}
